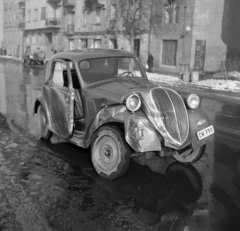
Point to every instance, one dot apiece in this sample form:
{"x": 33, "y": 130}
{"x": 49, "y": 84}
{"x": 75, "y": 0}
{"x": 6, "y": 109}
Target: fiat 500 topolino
{"x": 102, "y": 99}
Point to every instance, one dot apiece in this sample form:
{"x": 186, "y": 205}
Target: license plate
{"x": 205, "y": 132}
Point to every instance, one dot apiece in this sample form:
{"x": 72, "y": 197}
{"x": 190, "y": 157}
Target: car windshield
{"x": 94, "y": 70}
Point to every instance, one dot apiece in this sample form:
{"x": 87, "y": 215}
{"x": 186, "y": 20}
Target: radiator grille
{"x": 173, "y": 109}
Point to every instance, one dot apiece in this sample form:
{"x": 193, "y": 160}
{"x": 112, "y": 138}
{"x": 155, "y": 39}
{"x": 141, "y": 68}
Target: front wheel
{"x": 189, "y": 156}
{"x": 110, "y": 153}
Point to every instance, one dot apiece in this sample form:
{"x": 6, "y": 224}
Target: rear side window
{"x": 60, "y": 76}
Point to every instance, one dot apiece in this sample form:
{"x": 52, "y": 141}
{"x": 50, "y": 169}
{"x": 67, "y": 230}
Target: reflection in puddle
{"x": 19, "y": 87}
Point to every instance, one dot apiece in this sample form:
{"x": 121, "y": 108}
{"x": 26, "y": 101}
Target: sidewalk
{"x": 211, "y": 83}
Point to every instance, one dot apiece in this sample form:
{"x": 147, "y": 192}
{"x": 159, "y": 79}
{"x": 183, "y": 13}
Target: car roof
{"x": 83, "y": 54}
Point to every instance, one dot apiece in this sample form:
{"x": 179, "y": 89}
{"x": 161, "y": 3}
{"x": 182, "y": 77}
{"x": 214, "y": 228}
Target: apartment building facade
{"x": 182, "y": 34}
{"x": 43, "y": 26}
{"x": 13, "y": 26}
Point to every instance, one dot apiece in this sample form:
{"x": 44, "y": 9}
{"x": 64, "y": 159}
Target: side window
{"x": 75, "y": 81}
{"x": 60, "y": 76}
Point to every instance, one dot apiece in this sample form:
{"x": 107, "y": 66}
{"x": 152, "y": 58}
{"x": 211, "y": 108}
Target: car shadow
{"x": 147, "y": 195}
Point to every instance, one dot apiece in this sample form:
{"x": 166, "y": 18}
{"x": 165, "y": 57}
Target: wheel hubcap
{"x": 107, "y": 153}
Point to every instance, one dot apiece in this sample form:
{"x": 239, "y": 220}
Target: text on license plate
{"x": 205, "y": 132}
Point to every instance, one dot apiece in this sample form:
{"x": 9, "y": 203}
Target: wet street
{"x": 46, "y": 185}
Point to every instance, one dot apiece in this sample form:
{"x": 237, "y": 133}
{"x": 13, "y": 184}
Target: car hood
{"x": 163, "y": 107}
{"x": 116, "y": 90}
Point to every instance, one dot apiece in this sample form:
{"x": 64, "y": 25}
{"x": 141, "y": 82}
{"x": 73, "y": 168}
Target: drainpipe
{"x": 150, "y": 27}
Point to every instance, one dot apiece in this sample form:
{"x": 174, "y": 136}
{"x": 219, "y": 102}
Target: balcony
{"x": 69, "y": 3}
{"x": 53, "y": 1}
{"x": 21, "y": 25}
{"x": 53, "y": 22}
{"x": 21, "y": 4}
{"x": 70, "y": 29}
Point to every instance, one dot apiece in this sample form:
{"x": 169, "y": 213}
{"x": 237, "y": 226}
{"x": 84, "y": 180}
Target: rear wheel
{"x": 110, "y": 153}
{"x": 189, "y": 156}
{"x": 42, "y": 124}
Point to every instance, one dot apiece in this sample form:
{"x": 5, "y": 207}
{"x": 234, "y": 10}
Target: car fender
{"x": 41, "y": 101}
{"x": 113, "y": 114}
{"x": 139, "y": 132}
{"x": 195, "y": 116}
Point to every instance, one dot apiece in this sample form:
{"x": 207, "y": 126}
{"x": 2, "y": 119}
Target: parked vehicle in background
{"x": 37, "y": 58}
{"x": 102, "y": 99}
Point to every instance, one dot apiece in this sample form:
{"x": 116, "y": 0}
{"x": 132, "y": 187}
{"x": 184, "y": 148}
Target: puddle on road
{"x": 19, "y": 88}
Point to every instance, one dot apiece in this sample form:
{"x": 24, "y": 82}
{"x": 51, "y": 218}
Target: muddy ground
{"x": 40, "y": 190}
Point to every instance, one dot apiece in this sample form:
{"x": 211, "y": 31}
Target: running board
{"x": 77, "y": 138}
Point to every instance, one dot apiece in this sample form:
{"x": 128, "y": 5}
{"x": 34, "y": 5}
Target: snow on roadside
{"x": 223, "y": 85}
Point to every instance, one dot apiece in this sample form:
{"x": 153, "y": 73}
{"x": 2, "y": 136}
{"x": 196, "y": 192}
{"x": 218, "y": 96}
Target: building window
{"x": 169, "y": 52}
{"x": 113, "y": 11}
{"x": 71, "y": 44}
{"x": 43, "y": 13}
{"x": 35, "y": 16}
{"x": 28, "y": 16}
{"x": 97, "y": 43}
{"x": 113, "y": 44}
{"x": 83, "y": 43}
{"x": 58, "y": 12}
{"x": 84, "y": 17}
{"x": 70, "y": 19}
{"x": 34, "y": 39}
{"x": 29, "y": 39}
{"x": 98, "y": 14}
{"x": 170, "y": 12}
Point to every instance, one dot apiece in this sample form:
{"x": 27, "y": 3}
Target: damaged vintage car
{"x": 101, "y": 99}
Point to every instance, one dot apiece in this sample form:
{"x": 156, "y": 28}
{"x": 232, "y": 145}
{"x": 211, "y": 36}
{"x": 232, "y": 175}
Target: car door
{"x": 61, "y": 99}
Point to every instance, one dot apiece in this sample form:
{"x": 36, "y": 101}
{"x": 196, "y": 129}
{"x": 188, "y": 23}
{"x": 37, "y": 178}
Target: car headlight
{"x": 193, "y": 101}
{"x": 133, "y": 102}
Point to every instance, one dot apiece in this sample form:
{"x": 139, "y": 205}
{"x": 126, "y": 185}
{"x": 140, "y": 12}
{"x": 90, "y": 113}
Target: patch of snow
{"x": 235, "y": 74}
{"x": 216, "y": 84}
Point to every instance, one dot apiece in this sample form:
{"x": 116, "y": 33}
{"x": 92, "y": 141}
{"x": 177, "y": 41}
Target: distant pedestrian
{"x": 150, "y": 62}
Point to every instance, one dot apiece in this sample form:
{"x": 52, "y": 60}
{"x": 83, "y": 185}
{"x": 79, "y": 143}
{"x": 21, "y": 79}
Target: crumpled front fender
{"x": 106, "y": 115}
{"x": 140, "y": 134}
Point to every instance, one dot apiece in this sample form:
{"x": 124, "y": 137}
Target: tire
{"x": 188, "y": 156}
{"x": 110, "y": 154}
{"x": 42, "y": 124}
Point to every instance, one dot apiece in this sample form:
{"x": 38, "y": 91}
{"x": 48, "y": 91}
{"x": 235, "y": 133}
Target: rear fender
{"x": 40, "y": 101}
{"x": 195, "y": 116}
